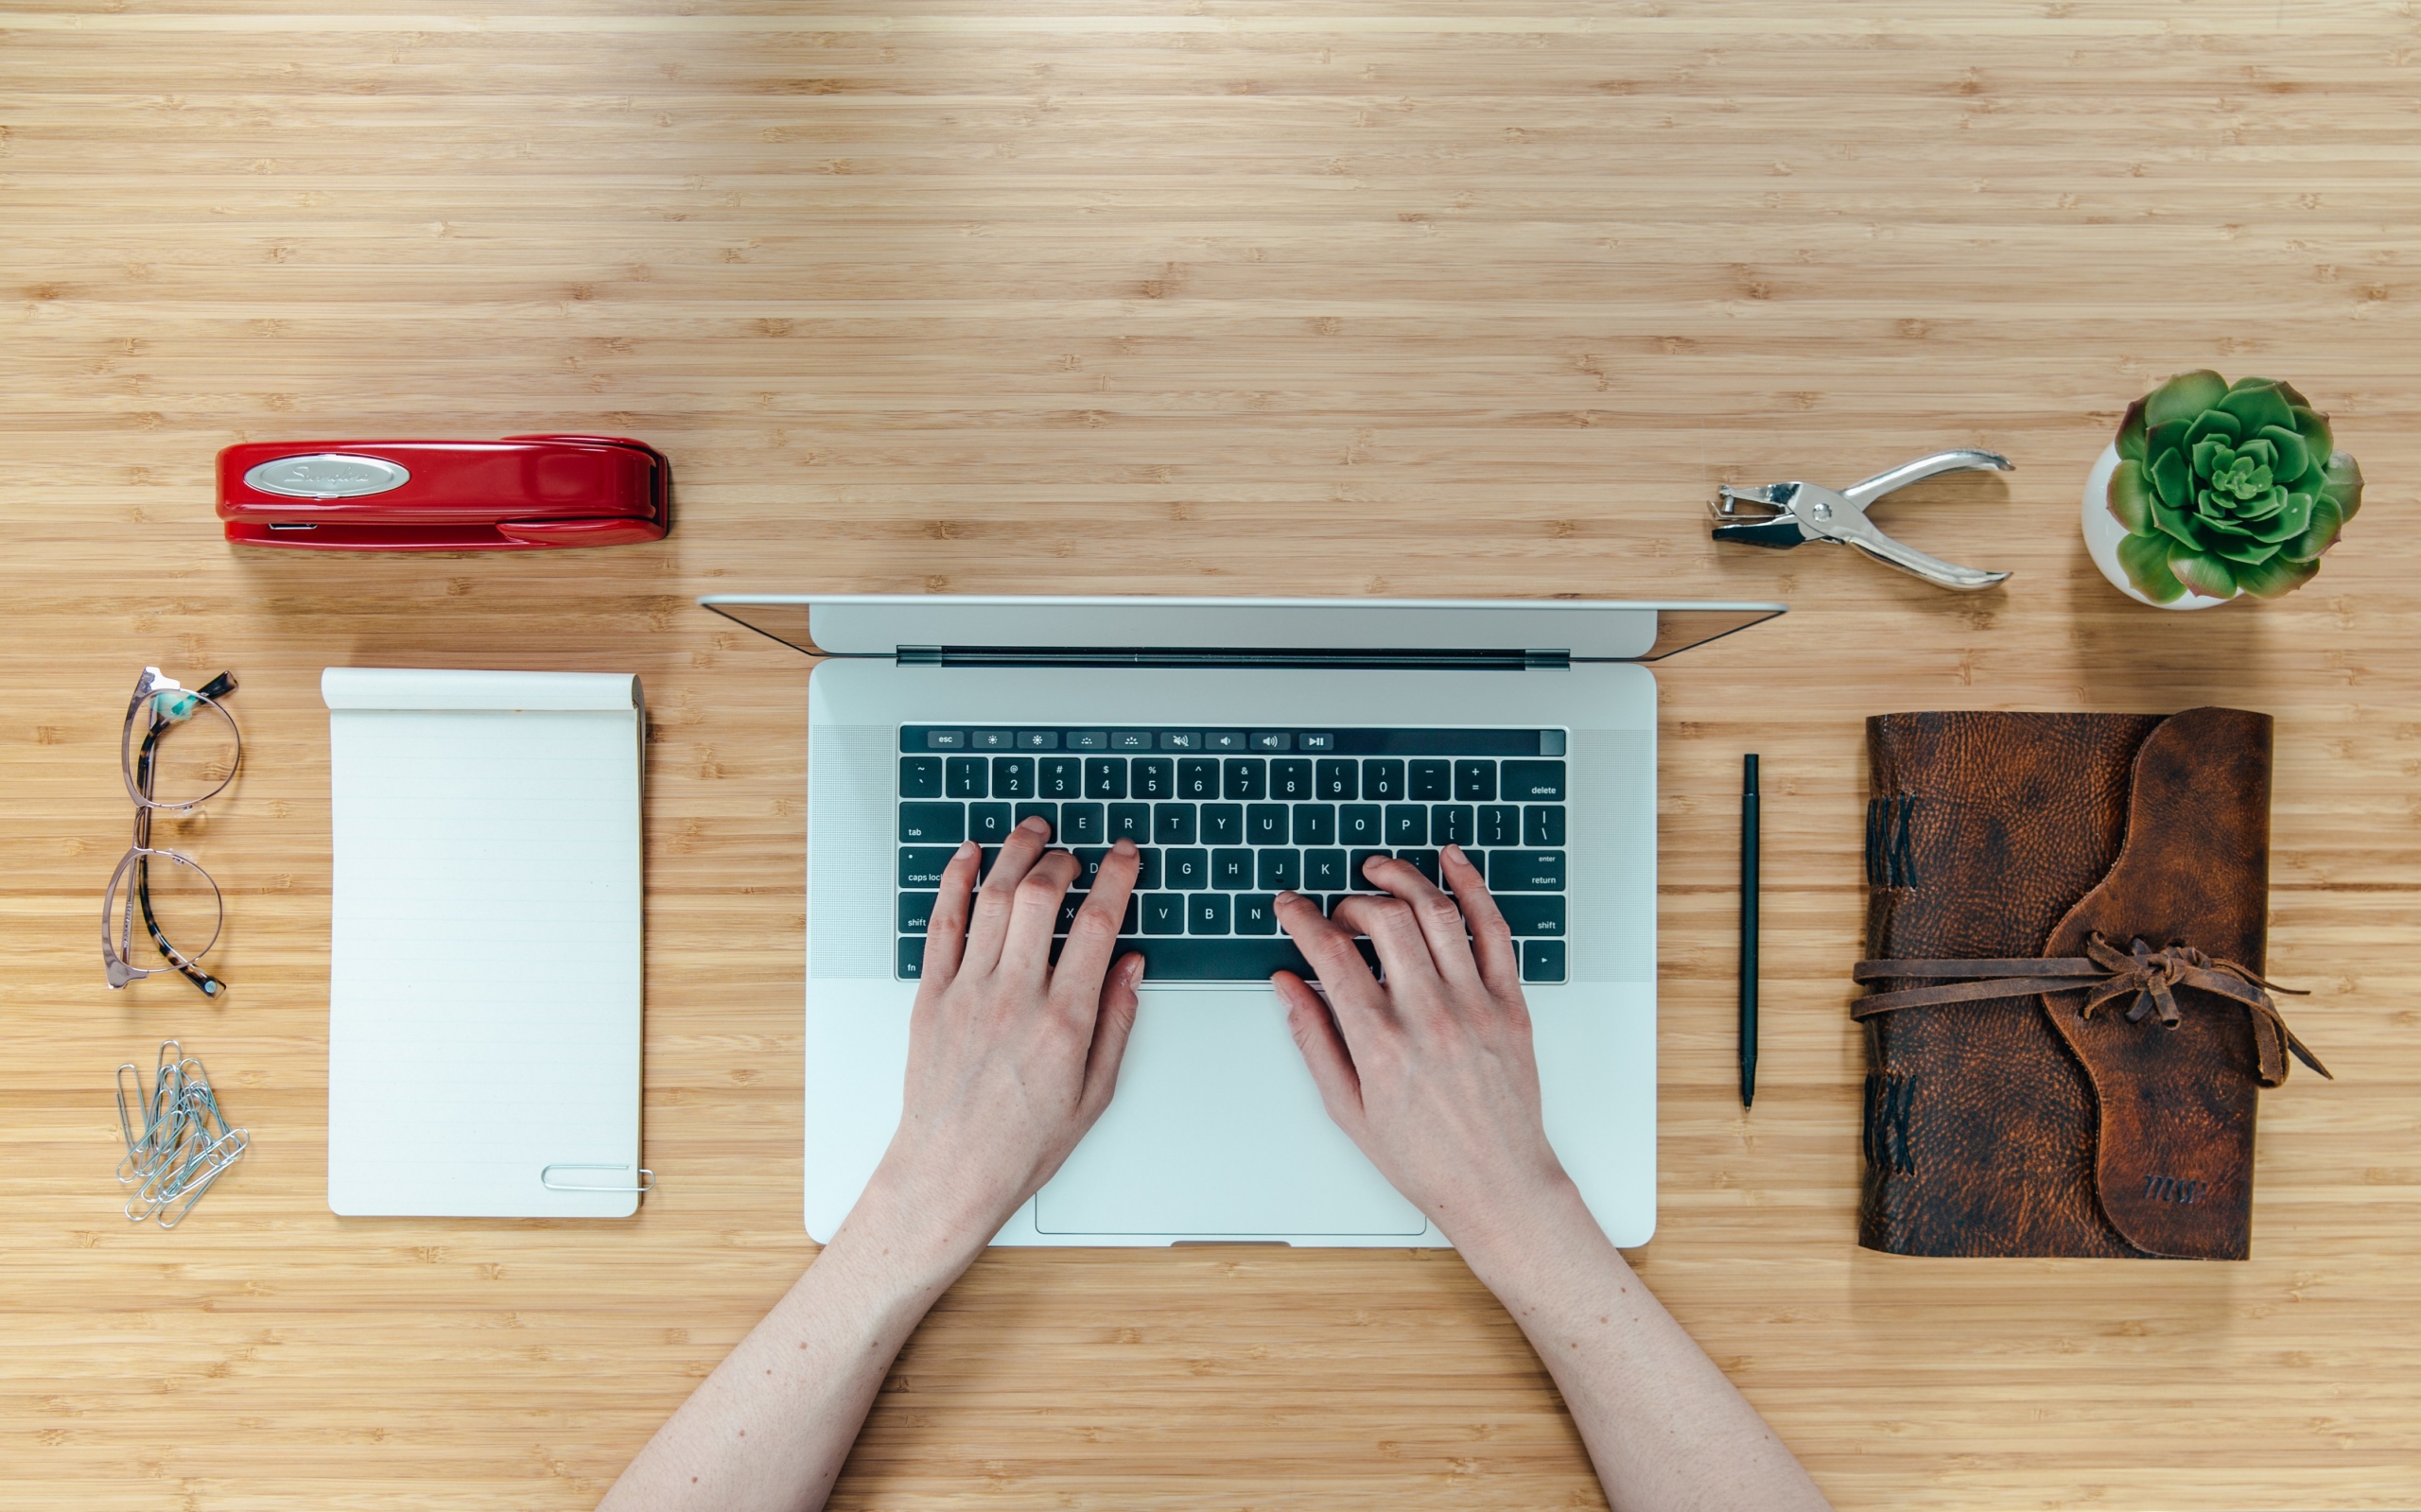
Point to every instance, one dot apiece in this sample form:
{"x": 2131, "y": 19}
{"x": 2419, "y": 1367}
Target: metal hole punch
{"x": 1785, "y": 515}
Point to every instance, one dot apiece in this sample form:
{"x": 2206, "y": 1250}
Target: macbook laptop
{"x": 1248, "y": 746}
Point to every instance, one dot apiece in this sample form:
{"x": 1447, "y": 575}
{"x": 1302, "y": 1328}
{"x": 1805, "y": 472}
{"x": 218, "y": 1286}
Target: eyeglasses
{"x": 179, "y": 749}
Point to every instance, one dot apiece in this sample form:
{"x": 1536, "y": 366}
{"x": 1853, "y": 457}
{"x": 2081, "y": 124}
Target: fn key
{"x": 1542, "y": 960}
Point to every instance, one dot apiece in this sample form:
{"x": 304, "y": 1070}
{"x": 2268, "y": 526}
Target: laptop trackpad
{"x": 1217, "y": 1130}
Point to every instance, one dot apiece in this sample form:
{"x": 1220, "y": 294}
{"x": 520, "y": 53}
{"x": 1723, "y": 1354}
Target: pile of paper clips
{"x": 184, "y": 1143}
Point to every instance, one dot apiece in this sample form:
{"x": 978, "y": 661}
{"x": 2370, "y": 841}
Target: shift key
{"x": 1526, "y": 871}
{"x": 932, "y": 823}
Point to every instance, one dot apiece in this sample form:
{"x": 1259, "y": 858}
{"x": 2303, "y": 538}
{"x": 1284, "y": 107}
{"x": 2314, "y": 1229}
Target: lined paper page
{"x": 484, "y": 1015}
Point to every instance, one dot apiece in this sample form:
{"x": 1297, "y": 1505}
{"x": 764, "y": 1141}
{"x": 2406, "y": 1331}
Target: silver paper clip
{"x": 185, "y": 1144}
{"x": 546, "y": 1178}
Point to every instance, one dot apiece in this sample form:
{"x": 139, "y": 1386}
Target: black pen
{"x": 1748, "y": 929}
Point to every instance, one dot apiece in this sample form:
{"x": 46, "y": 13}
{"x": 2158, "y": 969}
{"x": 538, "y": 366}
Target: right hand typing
{"x": 1432, "y": 1073}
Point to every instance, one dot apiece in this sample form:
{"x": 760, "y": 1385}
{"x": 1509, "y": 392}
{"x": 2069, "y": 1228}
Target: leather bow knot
{"x": 2104, "y": 974}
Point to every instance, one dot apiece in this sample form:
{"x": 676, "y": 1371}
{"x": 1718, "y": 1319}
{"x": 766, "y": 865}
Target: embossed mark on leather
{"x": 1888, "y": 1102}
{"x": 1890, "y": 858}
{"x": 2171, "y": 1189}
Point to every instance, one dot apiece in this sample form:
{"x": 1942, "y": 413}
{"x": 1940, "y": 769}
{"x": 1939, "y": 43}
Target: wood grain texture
{"x": 1367, "y": 297}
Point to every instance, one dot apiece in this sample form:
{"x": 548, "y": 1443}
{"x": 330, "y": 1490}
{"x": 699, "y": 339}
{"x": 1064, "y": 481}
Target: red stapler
{"x": 446, "y": 495}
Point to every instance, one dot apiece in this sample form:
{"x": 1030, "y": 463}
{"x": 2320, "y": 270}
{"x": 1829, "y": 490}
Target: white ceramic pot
{"x": 2103, "y": 533}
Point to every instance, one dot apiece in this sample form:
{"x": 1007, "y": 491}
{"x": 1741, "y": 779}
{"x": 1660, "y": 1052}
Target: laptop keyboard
{"x": 1226, "y": 819}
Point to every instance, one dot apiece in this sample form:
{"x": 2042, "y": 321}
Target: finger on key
{"x": 946, "y": 930}
{"x": 1500, "y": 962}
{"x": 1440, "y": 921}
{"x": 1403, "y": 951}
{"x": 994, "y": 898}
{"x": 1094, "y": 934}
{"x": 1026, "y": 948}
{"x": 1352, "y": 991}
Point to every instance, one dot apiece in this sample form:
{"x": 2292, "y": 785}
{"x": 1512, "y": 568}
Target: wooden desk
{"x": 1365, "y": 298}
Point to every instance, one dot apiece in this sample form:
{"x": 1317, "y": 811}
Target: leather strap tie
{"x": 2104, "y": 974}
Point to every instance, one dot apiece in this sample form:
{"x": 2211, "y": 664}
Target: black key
{"x": 1246, "y": 780}
{"x": 966, "y": 775}
{"x": 1189, "y": 869}
{"x": 1180, "y": 740}
{"x": 1358, "y": 878}
{"x": 1382, "y": 780}
{"x": 1476, "y": 781}
{"x": 1197, "y": 779}
{"x": 1339, "y": 781}
{"x": 921, "y": 865}
{"x": 1088, "y": 867}
{"x": 915, "y": 911}
{"x": 1432, "y": 781}
{"x": 1105, "y": 777}
{"x": 1314, "y": 824}
{"x": 988, "y": 824}
{"x": 1087, "y": 740}
{"x": 1147, "y": 869}
{"x": 932, "y": 823}
{"x": 1533, "y": 913}
{"x": 1543, "y": 961}
{"x": 1207, "y": 915}
{"x": 1407, "y": 824}
{"x": 1222, "y": 823}
{"x": 1543, "y": 824}
{"x": 1060, "y": 778}
{"x": 1047, "y": 812}
{"x": 1324, "y": 871}
{"x": 1127, "y": 925}
{"x": 1231, "y": 870}
{"x": 1526, "y": 871}
{"x": 1451, "y": 823}
{"x": 1218, "y": 957}
{"x": 1256, "y": 913}
{"x": 1075, "y": 901}
{"x": 1131, "y": 821}
{"x": 1223, "y": 741}
{"x": 1162, "y": 913}
{"x": 1360, "y": 824}
{"x": 1153, "y": 777}
{"x": 912, "y": 957}
{"x": 1173, "y": 824}
{"x": 983, "y": 860}
{"x": 1280, "y": 870}
{"x": 1289, "y": 780}
{"x": 1534, "y": 781}
{"x": 1080, "y": 824}
{"x": 920, "y": 777}
{"x": 1424, "y": 862}
{"x": 1013, "y": 777}
{"x": 1500, "y": 824}
{"x": 1265, "y": 823}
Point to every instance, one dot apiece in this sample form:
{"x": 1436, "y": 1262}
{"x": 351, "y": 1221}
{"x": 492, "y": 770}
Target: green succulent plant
{"x": 2228, "y": 487}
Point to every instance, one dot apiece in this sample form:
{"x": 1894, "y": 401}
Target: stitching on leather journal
{"x": 1888, "y": 1102}
{"x": 1891, "y": 853}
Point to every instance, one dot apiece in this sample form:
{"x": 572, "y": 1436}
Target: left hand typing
{"x": 1010, "y": 1058}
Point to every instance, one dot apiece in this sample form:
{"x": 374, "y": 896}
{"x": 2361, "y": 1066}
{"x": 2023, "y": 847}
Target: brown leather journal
{"x": 2065, "y": 922}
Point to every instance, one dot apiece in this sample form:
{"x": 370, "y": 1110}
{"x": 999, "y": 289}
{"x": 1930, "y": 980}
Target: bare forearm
{"x": 768, "y": 1431}
{"x": 1665, "y": 1428}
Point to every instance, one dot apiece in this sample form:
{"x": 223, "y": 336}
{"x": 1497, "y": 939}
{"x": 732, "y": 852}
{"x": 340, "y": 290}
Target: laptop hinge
{"x": 1311, "y": 658}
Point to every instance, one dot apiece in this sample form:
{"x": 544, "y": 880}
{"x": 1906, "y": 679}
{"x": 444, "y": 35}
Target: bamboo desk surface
{"x": 1376, "y": 296}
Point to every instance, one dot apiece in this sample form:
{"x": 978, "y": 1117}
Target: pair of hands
{"x": 1011, "y": 1059}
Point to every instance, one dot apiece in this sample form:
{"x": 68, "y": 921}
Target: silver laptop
{"x": 1248, "y": 746}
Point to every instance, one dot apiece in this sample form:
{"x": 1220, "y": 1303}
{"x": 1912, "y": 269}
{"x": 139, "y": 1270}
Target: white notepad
{"x": 484, "y": 975}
